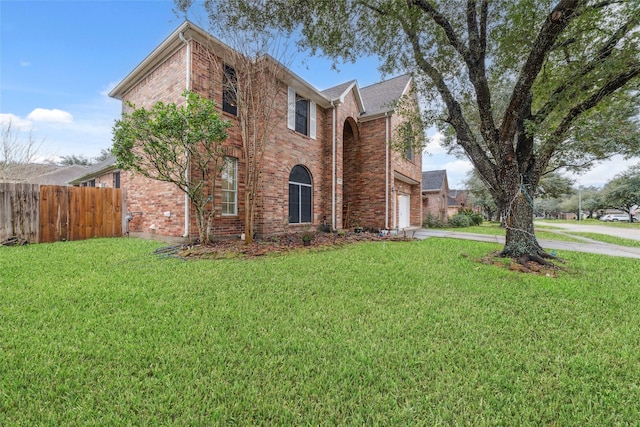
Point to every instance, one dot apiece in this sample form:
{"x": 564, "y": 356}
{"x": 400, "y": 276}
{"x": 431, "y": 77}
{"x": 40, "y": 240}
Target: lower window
{"x": 230, "y": 186}
{"x": 300, "y": 195}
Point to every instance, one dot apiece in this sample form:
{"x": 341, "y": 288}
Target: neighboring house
{"x": 44, "y": 174}
{"x": 328, "y": 160}
{"x": 458, "y": 201}
{"x": 102, "y": 174}
{"x": 435, "y": 194}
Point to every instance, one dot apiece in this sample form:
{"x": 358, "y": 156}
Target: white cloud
{"x": 434, "y": 146}
{"x": 51, "y": 116}
{"x": 604, "y": 172}
{"x": 17, "y": 123}
{"x": 24, "y": 63}
{"x": 108, "y": 88}
{"x": 457, "y": 169}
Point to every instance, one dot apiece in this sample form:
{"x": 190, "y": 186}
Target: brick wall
{"x": 287, "y": 149}
{"x": 411, "y": 169}
{"x": 360, "y": 177}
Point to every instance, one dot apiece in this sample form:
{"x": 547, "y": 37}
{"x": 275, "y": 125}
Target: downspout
{"x": 386, "y": 172}
{"x": 333, "y": 169}
{"x": 186, "y": 173}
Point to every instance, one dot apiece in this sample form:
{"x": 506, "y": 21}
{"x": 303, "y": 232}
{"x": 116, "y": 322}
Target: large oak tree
{"x": 526, "y": 86}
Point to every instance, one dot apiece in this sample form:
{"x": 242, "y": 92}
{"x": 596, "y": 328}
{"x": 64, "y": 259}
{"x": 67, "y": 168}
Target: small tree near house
{"x": 182, "y": 145}
{"x": 250, "y": 77}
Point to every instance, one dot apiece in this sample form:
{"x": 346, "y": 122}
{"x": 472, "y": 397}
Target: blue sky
{"x": 59, "y": 60}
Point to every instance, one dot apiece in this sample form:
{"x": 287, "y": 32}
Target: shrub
{"x": 432, "y": 221}
{"x": 460, "y": 220}
{"x": 474, "y": 217}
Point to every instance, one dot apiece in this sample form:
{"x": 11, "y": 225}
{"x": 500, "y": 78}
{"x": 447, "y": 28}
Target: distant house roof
{"x": 61, "y": 176}
{"x": 379, "y": 98}
{"x": 45, "y": 174}
{"x": 98, "y": 169}
{"x": 433, "y": 180}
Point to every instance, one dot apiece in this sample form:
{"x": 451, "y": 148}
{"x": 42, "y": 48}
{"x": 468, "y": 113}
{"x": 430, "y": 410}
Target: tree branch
{"x": 553, "y": 26}
{"x": 603, "y": 53}
{"x": 456, "y": 117}
{"x": 559, "y": 135}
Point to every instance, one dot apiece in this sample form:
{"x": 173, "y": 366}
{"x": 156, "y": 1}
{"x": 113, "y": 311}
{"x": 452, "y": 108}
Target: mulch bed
{"x": 276, "y": 245}
{"x": 530, "y": 267}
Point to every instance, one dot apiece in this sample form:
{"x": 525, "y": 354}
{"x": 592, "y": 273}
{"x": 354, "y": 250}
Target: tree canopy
{"x": 623, "y": 191}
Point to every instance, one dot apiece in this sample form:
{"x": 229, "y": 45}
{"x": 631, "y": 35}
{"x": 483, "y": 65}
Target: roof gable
{"x": 381, "y": 97}
{"x": 373, "y": 101}
{"x": 339, "y": 93}
{"x": 433, "y": 180}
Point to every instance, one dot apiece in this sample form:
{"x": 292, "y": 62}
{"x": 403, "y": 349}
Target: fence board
{"x": 54, "y": 213}
{"x": 19, "y": 214}
{"x": 95, "y": 212}
{"x": 48, "y": 213}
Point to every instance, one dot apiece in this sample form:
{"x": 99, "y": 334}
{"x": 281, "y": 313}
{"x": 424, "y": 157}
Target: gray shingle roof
{"x": 335, "y": 92}
{"x": 44, "y": 174}
{"x": 95, "y": 170}
{"x": 380, "y": 97}
{"x": 61, "y": 176}
{"x": 433, "y": 180}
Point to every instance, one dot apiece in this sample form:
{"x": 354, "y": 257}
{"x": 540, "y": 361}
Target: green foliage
{"x": 465, "y": 218}
{"x": 432, "y": 221}
{"x": 459, "y": 220}
{"x": 623, "y": 192}
{"x": 481, "y": 195}
{"x": 521, "y": 86}
{"x": 75, "y": 160}
{"x": 182, "y": 145}
{"x": 384, "y": 333}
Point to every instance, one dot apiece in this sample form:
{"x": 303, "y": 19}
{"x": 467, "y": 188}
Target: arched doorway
{"x": 351, "y": 171}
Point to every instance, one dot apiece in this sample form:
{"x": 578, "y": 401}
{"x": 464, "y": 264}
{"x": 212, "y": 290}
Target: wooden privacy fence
{"x": 48, "y": 213}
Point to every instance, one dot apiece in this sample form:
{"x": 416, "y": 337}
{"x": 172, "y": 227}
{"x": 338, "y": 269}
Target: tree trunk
{"x": 521, "y": 242}
{"x": 248, "y": 216}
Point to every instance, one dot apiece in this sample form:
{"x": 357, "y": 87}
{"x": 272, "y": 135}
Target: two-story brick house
{"x": 328, "y": 161}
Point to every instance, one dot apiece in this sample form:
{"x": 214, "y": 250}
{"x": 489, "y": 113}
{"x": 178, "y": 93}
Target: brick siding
{"x": 360, "y": 162}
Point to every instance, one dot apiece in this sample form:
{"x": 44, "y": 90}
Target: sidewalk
{"x": 587, "y": 247}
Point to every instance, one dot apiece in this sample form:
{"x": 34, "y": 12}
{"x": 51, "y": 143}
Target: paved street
{"x": 625, "y": 233}
{"x": 587, "y": 245}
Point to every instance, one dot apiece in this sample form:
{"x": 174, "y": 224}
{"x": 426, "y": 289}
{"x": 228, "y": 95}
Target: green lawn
{"x": 494, "y": 229}
{"x": 103, "y": 332}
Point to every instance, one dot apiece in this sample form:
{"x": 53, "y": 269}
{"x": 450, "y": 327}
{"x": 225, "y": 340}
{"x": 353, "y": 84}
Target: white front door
{"x": 404, "y": 210}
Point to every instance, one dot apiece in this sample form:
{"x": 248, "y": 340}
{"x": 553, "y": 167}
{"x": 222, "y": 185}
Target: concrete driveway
{"x": 585, "y": 245}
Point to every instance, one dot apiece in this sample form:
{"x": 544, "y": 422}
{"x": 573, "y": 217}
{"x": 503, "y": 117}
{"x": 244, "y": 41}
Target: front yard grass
{"x": 103, "y": 332}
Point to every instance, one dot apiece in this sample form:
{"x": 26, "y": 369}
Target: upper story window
{"x": 410, "y": 154}
{"x": 229, "y": 91}
{"x": 408, "y": 140}
{"x": 301, "y": 114}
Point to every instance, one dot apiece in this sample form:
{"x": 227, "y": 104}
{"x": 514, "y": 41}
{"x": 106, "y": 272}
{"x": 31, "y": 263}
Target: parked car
{"x": 616, "y": 218}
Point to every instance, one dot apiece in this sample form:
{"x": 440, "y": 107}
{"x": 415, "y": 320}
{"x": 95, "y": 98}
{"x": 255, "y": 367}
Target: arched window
{"x": 300, "y": 190}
